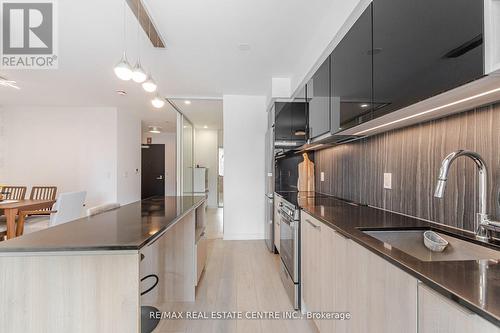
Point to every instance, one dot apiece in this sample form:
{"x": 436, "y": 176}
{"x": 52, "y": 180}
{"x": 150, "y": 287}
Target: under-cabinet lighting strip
{"x": 431, "y": 110}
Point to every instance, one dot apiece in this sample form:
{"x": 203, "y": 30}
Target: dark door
{"x": 318, "y": 96}
{"x": 351, "y": 78}
{"x": 423, "y": 48}
{"x": 153, "y": 171}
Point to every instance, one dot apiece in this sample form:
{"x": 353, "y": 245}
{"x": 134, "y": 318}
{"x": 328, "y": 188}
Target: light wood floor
{"x": 215, "y": 223}
{"x": 239, "y": 276}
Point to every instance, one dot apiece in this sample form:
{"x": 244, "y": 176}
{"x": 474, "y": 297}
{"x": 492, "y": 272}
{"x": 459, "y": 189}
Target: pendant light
{"x": 158, "y": 102}
{"x": 122, "y": 69}
{"x": 138, "y": 74}
{"x": 149, "y": 85}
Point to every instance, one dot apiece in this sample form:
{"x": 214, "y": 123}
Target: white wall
{"x": 72, "y": 148}
{"x": 206, "y": 152}
{"x": 128, "y": 157}
{"x": 169, "y": 140}
{"x": 245, "y": 122}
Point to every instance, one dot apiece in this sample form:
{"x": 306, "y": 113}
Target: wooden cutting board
{"x": 306, "y": 175}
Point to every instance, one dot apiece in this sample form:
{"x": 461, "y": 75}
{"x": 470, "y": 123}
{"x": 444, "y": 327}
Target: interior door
{"x": 153, "y": 170}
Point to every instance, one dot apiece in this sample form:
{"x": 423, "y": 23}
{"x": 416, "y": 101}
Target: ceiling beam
{"x": 146, "y": 22}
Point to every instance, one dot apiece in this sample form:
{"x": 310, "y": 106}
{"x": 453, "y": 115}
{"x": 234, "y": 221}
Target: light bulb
{"x": 138, "y": 74}
{"x": 157, "y": 102}
{"x": 149, "y": 85}
{"x": 123, "y": 70}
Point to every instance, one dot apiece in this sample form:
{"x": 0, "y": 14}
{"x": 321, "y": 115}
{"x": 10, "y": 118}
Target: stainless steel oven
{"x": 290, "y": 251}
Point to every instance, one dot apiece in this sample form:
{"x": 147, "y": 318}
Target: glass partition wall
{"x": 185, "y": 156}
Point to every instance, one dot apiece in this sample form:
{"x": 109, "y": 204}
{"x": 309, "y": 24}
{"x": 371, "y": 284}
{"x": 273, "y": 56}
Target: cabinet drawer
{"x": 438, "y": 314}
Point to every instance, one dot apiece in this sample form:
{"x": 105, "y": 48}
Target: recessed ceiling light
{"x": 121, "y": 92}
{"x": 364, "y": 105}
{"x": 244, "y": 47}
{"x": 205, "y": 126}
{"x": 187, "y": 102}
{"x": 154, "y": 129}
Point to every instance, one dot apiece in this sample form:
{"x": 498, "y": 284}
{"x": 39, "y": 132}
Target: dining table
{"x": 12, "y": 208}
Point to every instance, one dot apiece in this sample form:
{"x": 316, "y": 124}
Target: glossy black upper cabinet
{"x": 290, "y": 124}
{"x": 318, "y": 97}
{"x": 351, "y": 76}
{"x": 423, "y": 48}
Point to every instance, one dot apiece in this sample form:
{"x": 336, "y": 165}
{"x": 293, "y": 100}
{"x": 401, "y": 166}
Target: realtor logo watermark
{"x": 29, "y": 34}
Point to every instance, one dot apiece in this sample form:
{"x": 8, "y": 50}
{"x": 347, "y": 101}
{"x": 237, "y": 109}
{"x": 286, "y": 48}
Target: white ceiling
{"x": 202, "y": 57}
{"x": 203, "y": 113}
{"x": 166, "y": 118}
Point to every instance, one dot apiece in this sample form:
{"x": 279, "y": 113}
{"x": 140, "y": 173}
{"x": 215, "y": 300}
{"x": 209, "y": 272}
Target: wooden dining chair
{"x": 37, "y": 193}
{"x": 43, "y": 193}
{"x": 14, "y": 192}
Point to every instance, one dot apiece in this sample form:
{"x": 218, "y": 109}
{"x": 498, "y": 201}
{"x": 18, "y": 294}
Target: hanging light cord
{"x": 124, "y": 27}
{"x": 138, "y": 24}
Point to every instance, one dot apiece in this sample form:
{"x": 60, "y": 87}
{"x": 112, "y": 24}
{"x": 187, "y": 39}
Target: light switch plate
{"x": 388, "y": 181}
{"x": 322, "y": 176}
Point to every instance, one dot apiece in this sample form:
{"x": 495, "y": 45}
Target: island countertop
{"x": 129, "y": 227}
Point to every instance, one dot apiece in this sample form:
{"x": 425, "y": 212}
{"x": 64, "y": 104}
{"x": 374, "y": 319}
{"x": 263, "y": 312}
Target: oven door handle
{"x": 284, "y": 216}
{"x": 286, "y": 219}
{"x": 290, "y": 222}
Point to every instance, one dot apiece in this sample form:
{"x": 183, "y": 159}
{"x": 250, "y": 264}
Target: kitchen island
{"x": 85, "y": 276}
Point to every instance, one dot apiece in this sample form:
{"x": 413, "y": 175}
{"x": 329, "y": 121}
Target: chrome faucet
{"x": 482, "y": 223}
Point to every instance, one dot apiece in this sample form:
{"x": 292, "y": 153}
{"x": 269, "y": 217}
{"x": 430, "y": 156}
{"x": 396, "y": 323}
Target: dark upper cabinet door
{"x": 351, "y": 76}
{"x": 283, "y": 122}
{"x": 423, "y": 48}
{"x": 299, "y": 121}
{"x": 318, "y": 96}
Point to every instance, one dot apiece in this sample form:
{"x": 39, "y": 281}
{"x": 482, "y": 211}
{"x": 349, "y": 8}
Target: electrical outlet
{"x": 322, "y": 176}
{"x": 388, "y": 181}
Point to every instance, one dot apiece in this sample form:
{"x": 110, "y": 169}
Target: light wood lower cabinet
{"x": 382, "y": 297}
{"x": 311, "y": 264}
{"x": 437, "y": 314}
{"x": 339, "y": 275}
{"x": 201, "y": 255}
{"x": 172, "y": 258}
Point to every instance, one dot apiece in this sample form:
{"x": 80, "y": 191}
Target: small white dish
{"x": 434, "y": 242}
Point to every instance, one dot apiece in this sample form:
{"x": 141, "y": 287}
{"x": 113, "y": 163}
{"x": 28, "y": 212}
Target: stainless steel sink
{"x": 412, "y": 243}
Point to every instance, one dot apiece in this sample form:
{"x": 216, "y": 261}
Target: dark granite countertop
{"x": 129, "y": 227}
{"x": 457, "y": 280}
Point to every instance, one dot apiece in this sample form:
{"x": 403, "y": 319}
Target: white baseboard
{"x": 243, "y": 236}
